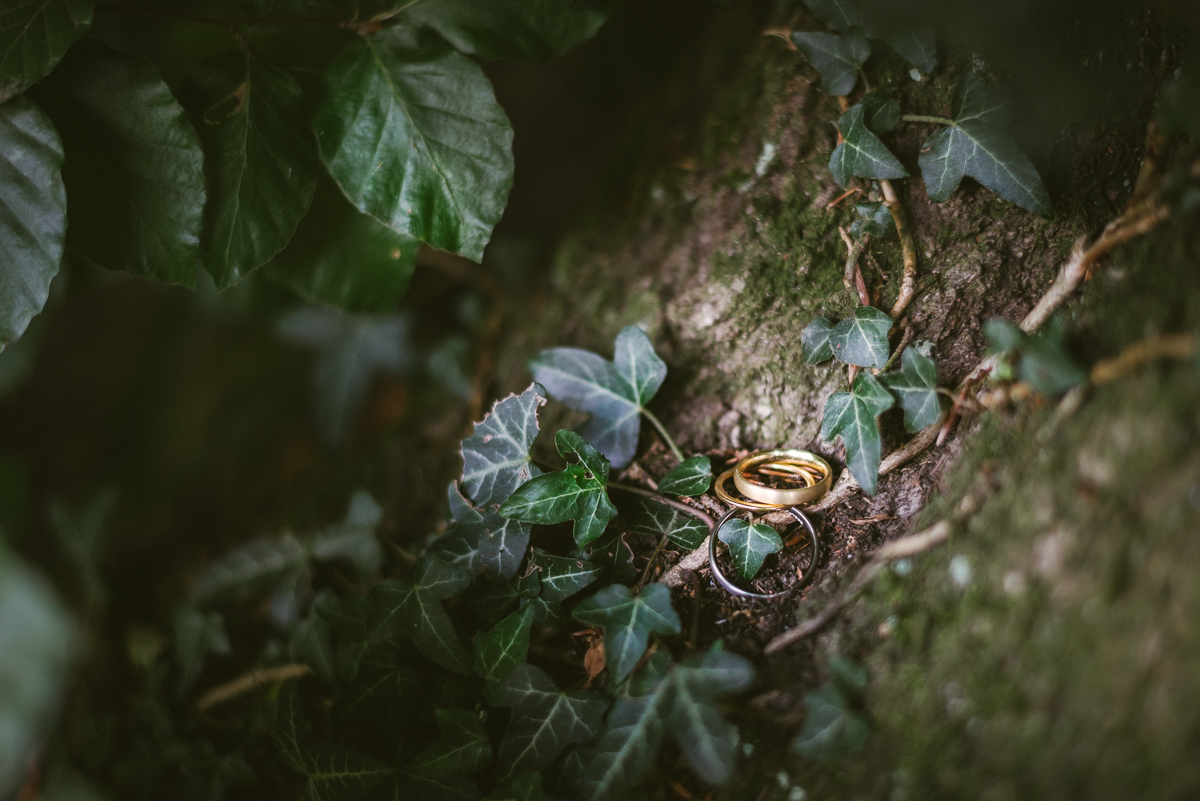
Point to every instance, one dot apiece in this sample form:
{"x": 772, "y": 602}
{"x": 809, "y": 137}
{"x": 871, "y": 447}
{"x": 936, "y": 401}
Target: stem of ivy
{"x": 683, "y": 507}
{"x": 663, "y": 433}
{"x": 923, "y": 118}
{"x": 650, "y": 564}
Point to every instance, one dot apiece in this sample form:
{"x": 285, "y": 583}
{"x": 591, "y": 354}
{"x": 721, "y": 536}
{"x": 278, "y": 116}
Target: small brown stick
{"x": 683, "y": 507}
{"x": 1178, "y": 346}
{"x": 908, "y": 249}
{"x": 853, "y": 252}
{"x": 650, "y": 562}
{"x": 252, "y": 680}
{"x": 782, "y": 33}
{"x": 904, "y": 340}
{"x": 897, "y": 549}
{"x": 851, "y": 191}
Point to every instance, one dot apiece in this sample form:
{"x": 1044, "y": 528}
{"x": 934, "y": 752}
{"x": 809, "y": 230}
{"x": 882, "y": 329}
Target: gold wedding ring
{"x": 805, "y": 465}
{"x": 741, "y": 503}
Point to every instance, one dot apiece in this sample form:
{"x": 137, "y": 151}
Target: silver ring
{"x": 737, "y": 591}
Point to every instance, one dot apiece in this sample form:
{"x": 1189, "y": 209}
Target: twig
{"x": 854, "y": 190}
{"x": 1178, "y": 346}
{"x": 650, "y": 563}
{"x": 908, "y": 332}
{"x": 923, "y": 118}
{"x": 908, "y": 249}
{"x": 897, "y": 549}
{"x": 258, "y": 677}
{"x": 683, "y": 507}
{"x": 853, "y": 252}
{"x": 782, "y": 33}
{"x": 663, "y": 433}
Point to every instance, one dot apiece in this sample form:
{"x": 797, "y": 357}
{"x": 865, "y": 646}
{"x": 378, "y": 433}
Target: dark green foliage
{"x": 814, "y": 341}
{"x": 862, "y": 339}
{"x": 519, "y": 30}
{"x": 34, "y": 35}
{"x": 874, "y": 219}
{"x": 837, "y": 58}
{"x": 833, "y": 726}
{"x": 691, "y": 477}
{"x": 628, "y": 621}
{"x": 749, "y": 544}
{"x": 915, "y": 385}
{"x": 545, "y": 720}
{"x": 413, "y": 607}
{"x": 656, "y": 520}
{"x": 496, "y": 456}
{"x": 852, "y": 416}
{"x": 861, "y": 153}
{"x": 1043, "y": 361}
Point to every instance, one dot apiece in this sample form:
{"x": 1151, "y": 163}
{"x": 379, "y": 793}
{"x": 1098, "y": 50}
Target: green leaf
{"x": 749, "y": 544}
{"x": 414, "y": 787}
{"x": 415, "y": 608}
{"x": 209, "y": 775}
{"x": 354, "y": 538}
{"x": 81, "y": 532}
{"x": 337, "y": 773}
{"x": 613, "y": 554}
{"x": 861, "y": 153}
{"x": 576, "y": 493}
{"x": 614, "y": 393}
{"x": 814, "y": 341}
{"x": 1044, "y": 362}
{"x": 831, "y": 728}
{"x": 499, "y": 651}
{"x": 352, "y": 348}
{"x": 849, "y": 676}
{"x": 37, "y": 641}
{"x": 837, "y": 58}
{"x": 257, "y": 566}
{"x": 862, "y": 339}
{"x": 384, "y": 683}
{"x": 526, "y": 787}
{"x": 852, "y": 416}
{"x": 655, "y": 520}
{"x": 412, "y": 133}
{"x": 34, "y": 35}
{"x": 562, "y": 576}
{"x": 311, "y": 642}
{"x": 545, "y": 721}
{"x": 260, "y": 160}
{"x": 463, "y": 747}
{"x": 874, "y": 219}
{"x": 496, "y": 456}
{"x": 691, "y": 477}
{"x": 344, "y": 258}
{"x": 628, "y": 620}
{"x": 134, "y": 170}
{"x": 347, "y": 615}
{"x": 628, "y": 745}
{"x": 978, "y": 147}
{"x": 33, "y": 214}
{"x": 916, "y": 43}
{"x": 879, "y": 113}
{"x": 484, "y": 541}
{"x": 196, "y": 636}
{"x": 290, "y": 732}
{"x": 915, "y": 385}
{"x": 517, "y": 30}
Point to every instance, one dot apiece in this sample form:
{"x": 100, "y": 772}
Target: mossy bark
{"x": 1055, "y": 660}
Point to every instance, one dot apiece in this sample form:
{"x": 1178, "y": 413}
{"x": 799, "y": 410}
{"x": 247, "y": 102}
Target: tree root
{"x": 1179, "y": 346}
{"x": 908, "y": 249}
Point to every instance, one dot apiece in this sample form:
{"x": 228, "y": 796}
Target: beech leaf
{"x": 614, "y": 393}
{"x": 517, "y": 30}
{"x": 851, "y": 415}
{"x": 34, "y": 35}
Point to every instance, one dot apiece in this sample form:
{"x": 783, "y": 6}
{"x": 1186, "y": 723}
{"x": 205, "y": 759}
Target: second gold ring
{"x": 815, "y": 471}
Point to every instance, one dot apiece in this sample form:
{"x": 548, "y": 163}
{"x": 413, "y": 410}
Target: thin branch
{"x": 908, "y": 249}
{"x": 1179, "y": 346}
{"x": 897, "y": 549}
{"x": 904, "y": 339}
{"x": 258, "y": 677}
{"x": 924, "y": 118}
{"x": 853, "y": 253}
{"x": 663, "y": 433}
{"x": 650, "y": 563}
{"x": 683, "y": 507}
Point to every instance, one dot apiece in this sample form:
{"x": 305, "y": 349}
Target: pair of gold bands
{"x": 803, "y": 465}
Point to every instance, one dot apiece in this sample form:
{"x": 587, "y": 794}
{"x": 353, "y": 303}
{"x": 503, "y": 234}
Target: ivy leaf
{"x": 415, "y": 608}
{"x": 34, "y": 35}
{"x": 483, "y": 541}
{"x": 290, "y": 732}
{"x": 311, "y": 642}
{"x": 354, "y": 538}
{"x": 837, "y": 58}
{"x": 463, "y": 747}
{"x": 841, "y": 15}
{"x": 879, "y": 113}
{"x": 749, "y": 544}
{"x": 655, "y": 520}
{"x": 545, "y": 720}
{"x": 1044, "y": 362}
{"x": 260, "y": 160}
{"x": 516, "y": 30}
{"x": 81, "y": 532}
{"x": 861, "y": 153}
{"x": 852, "y": 416}
{"x": 831, "y": 728}
{"x": 414, "y": 787}
{"x": 37, "y": 640}
{"x": 352, "y": 348}
{"x": 526, "y": 787}
{"x": 576, "y": 493}
{"x": 412, "y": 133}
{"x": 874, "y": 219}
{"x": 978, "y": 147}
{"x": 196, "y": 636}
{"x": 684, "y": 702}
{"x": 814, "y": 341}
{"x": 628, "y": 620}
{"x": 862, "y": 339}
{"x": 614, "y": 393}
{"x": 347, "y": 616}
{"x": 33, "y": 213}
{"x": 496, "y": 456}
{"x": 613, "y": 554}
{"x": 917, "y": 44}
{"x": 849, "y": 677}
{"x": 562, "y": 576}
{"x": 691, "y": 477}
{"x": 344, "y": 258}
{"x": 499, "y": 651}
{"x": 257, "y": 566}
{"x": 915, "y": 385}
{"x": 337, "y": 773}
{"x": 383, "y": 683}
{"x": 134, "y": 170}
